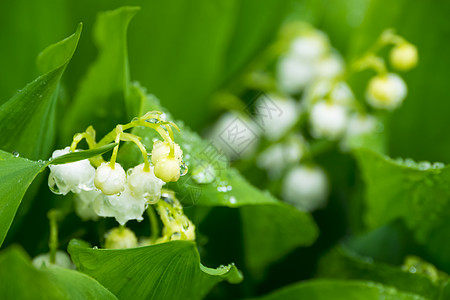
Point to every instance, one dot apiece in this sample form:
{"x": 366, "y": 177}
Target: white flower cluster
{"x": 107, "y": 191}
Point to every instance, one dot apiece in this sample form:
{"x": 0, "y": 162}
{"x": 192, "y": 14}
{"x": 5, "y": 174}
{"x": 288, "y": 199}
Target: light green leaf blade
{"x": 339, "y": 290}
{"x": 80, "y": 155}
{"x": 416, "y": 193}
{"x": 100, "y": 98}
{"x": 165, "y": 271}
{"x": 343, "y": 263}
{"x": 15, "y": 177}
{"x": 266, "y": 221}
{"x": 27, "y": 120}
{"x": 21, "y": 280}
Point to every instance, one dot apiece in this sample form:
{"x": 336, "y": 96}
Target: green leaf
{"x": 417, "y": 193}
{"x": 15, "y": 177}
{"x": 100, "y": 98}
{"x": 343, "y": 263}
{"x": 339, "y": 290}
{"x": 80, "y": 155}
{"x": 21, "y": 280}
{"x": 265, "y": 242}
{"x": 27, "y": 120}
{"x": 165, "y": 271}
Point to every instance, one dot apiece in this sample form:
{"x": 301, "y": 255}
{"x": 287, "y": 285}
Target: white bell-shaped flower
{"x": 120, "y": 238}
{"x": 84, "y": 204}
{"x": 75, "y": 176}
{"x": 404, "y": 56}
{"x": 386, "y": 91}
{"x": 360, "y": 124}
{"x": 294, "y": 74}
{"x": 342, "y": 94}
{"x": 110, "y": 180}
{"x": 236, "y": 135}
{"x": 328, "y": 120}
{"x": 62, "y": 259}
{"x": 280, "y": 156}
{"x": 276, "y": 115}
{"x": 123, "y": 206}
{"x": 330, "y": 67}
{"x": 306, "y": 188}
{"x": 311, "y": 46}
{"x": 144, "y": 183}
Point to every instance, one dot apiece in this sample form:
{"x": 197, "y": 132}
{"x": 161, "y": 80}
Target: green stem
{"x": 154, "y": 225}
{"x": 53, "y": 241}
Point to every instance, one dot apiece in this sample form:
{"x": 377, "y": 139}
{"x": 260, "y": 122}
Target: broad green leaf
{"x": 165, "y": 271}
{"x": 80, "y": 155}
{"x": 343, "y": 263}
{"x": 21, "y": 280}
{"x": 100, "y": 97}
{"x": 271, "y": 228}
{"x": 15, "y": 177}
{"x": 418, "y": 193}
{"x": 27, "y": 120}
{"x": 339, "y": 290}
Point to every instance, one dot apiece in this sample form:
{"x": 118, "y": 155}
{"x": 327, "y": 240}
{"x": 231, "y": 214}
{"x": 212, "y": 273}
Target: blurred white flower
{"x": 280, "y": 156}
{"x": 328, "y": 120}
{"x": 360, "y": 124}
{"x": 386, "y": 91}
{"x": 62, "y": 260}
{"x": 306, "y": 188}
{"x": 276, "y": 115}
{"x": 294, "y": 74}
{"x": 120, "y": 238}
{"x": 330, "y": 67}
{"x": 84, "y": 204}
{"x": 311, "y": 46}
{"x": 75, "y": 177}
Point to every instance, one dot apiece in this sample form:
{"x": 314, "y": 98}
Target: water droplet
{"x": 153, "y": 121}
{"x": 438, "y": 165}
{"x": 204, "y": 174}
{"x": 233, "y": 200}
{"x": 16, "y": 154}
{"x": 424, "y": 165}
{"x": 183, "y": 169}
{"x": 224, "y": 188}
{"x": 175, "y": 236}
{"x": 135, "y": 119}
{"x": 95, "y": 247}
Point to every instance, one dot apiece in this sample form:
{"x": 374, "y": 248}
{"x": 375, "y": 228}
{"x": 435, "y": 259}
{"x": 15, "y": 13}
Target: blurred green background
{"x": 184, "y": 51}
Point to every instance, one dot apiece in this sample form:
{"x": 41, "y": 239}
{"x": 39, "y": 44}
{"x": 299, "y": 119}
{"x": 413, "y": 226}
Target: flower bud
{"x": 386, "y": 91}
{"x": 162, "y": 149}
{"x": 404, "y": 56}
{"x": 167, "y": 169}
{"x": 120, "y": 238}
{"x": 110, "y": 180}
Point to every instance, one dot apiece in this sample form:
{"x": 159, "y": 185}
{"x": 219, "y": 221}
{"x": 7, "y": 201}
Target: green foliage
{"x": 100, "y": 96}
{"x": 27, "y": 120}
{"x": 165, "y": 271}
{"x": 21, "y": 280}
{"x": 339, "y": 290}
{"x": 264, "y": 242}
{"x": 15, "y": 178}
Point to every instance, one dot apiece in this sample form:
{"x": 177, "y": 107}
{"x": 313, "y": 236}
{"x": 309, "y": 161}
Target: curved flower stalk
{"x": 105, "y": 189}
